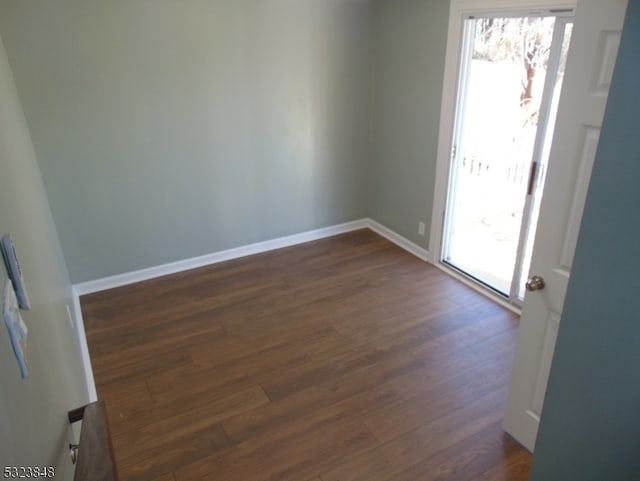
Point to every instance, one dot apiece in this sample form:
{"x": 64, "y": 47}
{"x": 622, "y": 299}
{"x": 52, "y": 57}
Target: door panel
{"x": 585, "y": 164}
{"x": 544, "y": 366}
{"x": 589, "y": 71}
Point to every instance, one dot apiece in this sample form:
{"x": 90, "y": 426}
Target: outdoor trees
{"x": 525, "y": 41}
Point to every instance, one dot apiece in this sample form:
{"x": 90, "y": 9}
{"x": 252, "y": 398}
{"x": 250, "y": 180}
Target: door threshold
{"x": 479, "y": 288}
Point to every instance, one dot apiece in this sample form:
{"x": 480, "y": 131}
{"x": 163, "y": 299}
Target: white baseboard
{"x": 84, "y": 348}
{"x": 208, "y": 259}
{"x": 126, "y": 278}
{"x": 398, "y": 240}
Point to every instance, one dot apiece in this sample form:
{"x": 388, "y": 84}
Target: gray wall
{"x": 33, "y": 424}
{"x": 408, "y": 52}
{"x": 590, "y": 427}
{"x": 167, "y": 130}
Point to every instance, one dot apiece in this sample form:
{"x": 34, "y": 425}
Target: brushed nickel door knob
{"x": 535, "y": 283}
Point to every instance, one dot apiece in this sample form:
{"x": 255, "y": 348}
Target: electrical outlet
{"x": 421, "y": 228}
{"x": 70, "y": 317}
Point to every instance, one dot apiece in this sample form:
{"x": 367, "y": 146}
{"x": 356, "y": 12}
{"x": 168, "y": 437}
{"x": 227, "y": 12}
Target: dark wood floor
{"x": 345, "y": 359}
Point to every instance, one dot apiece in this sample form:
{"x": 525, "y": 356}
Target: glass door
{"x": 511, "y": 71}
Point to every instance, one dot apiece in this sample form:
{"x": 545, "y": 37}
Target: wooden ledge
{"x": 96, "y": 461}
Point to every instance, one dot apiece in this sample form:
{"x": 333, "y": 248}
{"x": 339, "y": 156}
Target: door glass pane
{"x": 497, "y": 121}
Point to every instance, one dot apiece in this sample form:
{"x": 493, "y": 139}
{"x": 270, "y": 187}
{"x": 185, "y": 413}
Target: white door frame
{"x": 458, "y": 10}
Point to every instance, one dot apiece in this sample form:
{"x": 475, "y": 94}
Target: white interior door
{"x": 592, "y": 56}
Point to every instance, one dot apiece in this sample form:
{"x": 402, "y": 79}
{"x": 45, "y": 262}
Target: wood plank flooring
{"x": 344, "y": 359}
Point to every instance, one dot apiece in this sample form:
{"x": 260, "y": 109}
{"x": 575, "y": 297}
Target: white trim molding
{"x": 398, "y": 240}
{"x": 92, "y": 394}
{"x": 126, "y": 278}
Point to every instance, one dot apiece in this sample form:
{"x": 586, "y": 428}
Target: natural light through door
{"x": 511, "y": 71}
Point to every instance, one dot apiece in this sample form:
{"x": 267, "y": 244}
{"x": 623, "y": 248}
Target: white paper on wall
{"x": 15, "y": 273}
{"x": 15, "y": 326}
